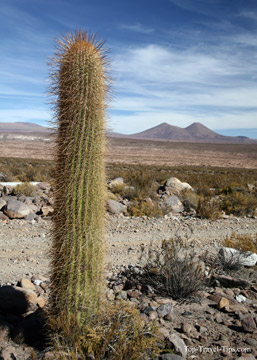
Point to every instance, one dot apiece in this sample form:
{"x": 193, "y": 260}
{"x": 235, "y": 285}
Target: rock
{"x": 174, "y": 204}
{"x": 8, "y": 353}
{"x": 47, "y": 210}
{"x": 237, "y": 308}
{"x": 228, "y": 281}
{"x": 12, "y": 301}
{"x": 178, "y": 344}
{"x": 116, "y": 181}
{"x": 217, "y": 297}
{"x": 16, "y": 209}
{"x": 223, "y": 303}
{"x": 240, "y": 298}
{"x": 248, "y": 324}
{"x": 187, "y": 328}
{"x": 27, "y": 284}
{"x": 30, "y": 295}
{"x": 164, "y": 332}
{"x": 164, "y": 310}
{"x": 44, "y": 186}
{"x": 114, "y": 207}
{"x": 153, "y": 315}
{"x": 41, "y": 301}
{"x": 121, "y": 295}
{"x": 2, "y": 203}
{"x": 3, "y": 217}
{"x": 251, "y": 342}
{"x": 133, "y": 293}
{"x": 243, "y": 258}
{"x": 174, "y": 186}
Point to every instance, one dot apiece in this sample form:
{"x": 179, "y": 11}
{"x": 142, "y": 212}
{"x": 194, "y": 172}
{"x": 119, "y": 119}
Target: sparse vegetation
{"x": 24, "y": 189}
{"x": 116, "y": 332}
{"x": 145, "y": 208}
{"x": 208, "y": 208}
{"x": 175, "y": 269}
{"x": 241, "y": 242}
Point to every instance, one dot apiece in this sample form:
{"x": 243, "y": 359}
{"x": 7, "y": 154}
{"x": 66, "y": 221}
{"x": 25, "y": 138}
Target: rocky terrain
{"x": 217, "y": 322}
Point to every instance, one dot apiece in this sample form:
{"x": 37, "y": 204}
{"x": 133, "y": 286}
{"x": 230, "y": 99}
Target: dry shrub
{"x": 189, "y": 199}
{"x": 175, "y": 269}
{"x": 24, "y": 189}
{"x": 145, "y": 208}
{"x": 239, "y": 204}
{"x": 115, "y": 333}
{"x": 208, "y": 208}
{"x": 241, "y": 242}
{"x": 143, "y": 182}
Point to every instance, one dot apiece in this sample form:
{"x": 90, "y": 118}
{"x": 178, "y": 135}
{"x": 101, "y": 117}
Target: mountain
{"x": 195, "y": 132}
{"x": 22, "y": 127}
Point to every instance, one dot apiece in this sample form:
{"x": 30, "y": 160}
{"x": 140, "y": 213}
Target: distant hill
{"x": 195, "y": 132}
{"x": 22, "y": 127}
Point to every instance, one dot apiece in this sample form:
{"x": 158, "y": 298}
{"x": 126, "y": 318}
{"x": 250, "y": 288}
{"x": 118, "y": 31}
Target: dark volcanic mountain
{"x": 196, "y": 132}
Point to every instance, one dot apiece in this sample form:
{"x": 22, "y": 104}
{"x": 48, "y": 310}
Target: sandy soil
{"x": 24, "y": 245}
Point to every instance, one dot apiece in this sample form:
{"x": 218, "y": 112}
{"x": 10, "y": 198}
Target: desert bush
{"x": 241, "y": 242}
{"x": 175, "y": 269}
{"x": 146, "y": 207}
{"x": 208, "y": 208}
{"x": 239, "y": 204}
{"x": 24, "y": 189}
{"x": 123, "y": 190}
{"x": 143, "y": 182}
{"x": 233, "y": 188}
{"x": 116, "y": 333}
{"x": 189, "y": 199}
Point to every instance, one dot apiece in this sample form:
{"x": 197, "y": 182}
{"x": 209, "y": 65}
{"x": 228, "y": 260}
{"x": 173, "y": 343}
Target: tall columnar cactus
{"x": 80, "y": 87}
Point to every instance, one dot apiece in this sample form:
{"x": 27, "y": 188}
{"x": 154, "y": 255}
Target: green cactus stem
{"x": 80, "y": 87}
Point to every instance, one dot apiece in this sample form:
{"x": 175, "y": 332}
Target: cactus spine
{"x": 80, "y": 86}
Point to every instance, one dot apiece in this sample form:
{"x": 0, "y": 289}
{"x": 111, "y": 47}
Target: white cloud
{"x": 155, "y": 84}
{"x": 139, "y": 28}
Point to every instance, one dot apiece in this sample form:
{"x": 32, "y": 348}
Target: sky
{"x": 173, "y": 61}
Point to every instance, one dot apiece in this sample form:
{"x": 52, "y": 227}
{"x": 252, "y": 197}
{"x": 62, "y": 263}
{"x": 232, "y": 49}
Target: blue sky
{"x": 174, "y": 61}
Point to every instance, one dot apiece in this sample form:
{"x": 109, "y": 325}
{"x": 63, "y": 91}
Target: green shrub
{"x": 116, "y": 333}
{"x": 143, "y": 182}
{"x": 24, "y": 189}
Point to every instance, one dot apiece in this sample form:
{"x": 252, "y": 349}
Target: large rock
{"x": 116, "y": 181}
{"x": 174, "y": 204}
{"x": 174, "y": 186}
{"x": 16, "y": 209}
{"x": 114, "y": 207}
{"x": 2, "y": 203}
{"x": 242, "y": 258}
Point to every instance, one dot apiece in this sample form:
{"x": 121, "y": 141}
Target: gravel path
{"x": 24, "y": 245}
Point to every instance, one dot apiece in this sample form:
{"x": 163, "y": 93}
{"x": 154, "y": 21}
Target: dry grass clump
{"x": 208, "y": 208}
{"x": 146, "y": 207}
{"x": 116, "y": 333}
{"x": 241, "y": 242}
{"x": 24, "y": 189}
{"x": 239, "y": 204}
{"x": 176, "y": 269}
{"x": 189, "y": 199}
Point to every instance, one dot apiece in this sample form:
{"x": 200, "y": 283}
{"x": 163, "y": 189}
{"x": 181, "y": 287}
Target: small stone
{"x": 223, "y": 303}
{"x": 248, "y": 324}
{"x": 41, "y": 301}
{"x": 133, "y": 293}
{"x": 164, "y": 309}
{"x": 252, "y": 342}
{"x": 178, "y": 344}
{"x": 153, "y": 315}
{"x": 164, "y": 332}
{"x": 27, "y": 284}
{"x": 121, "y": 295}
{"x": 218, "y": 318}
{"x": 187, "y": 328}
{"x": 8, "y": 353}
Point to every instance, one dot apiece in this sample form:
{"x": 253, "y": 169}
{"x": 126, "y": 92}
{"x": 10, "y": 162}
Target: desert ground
{"x": 24, "y": 252}
{"x": 133, "y": 151}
